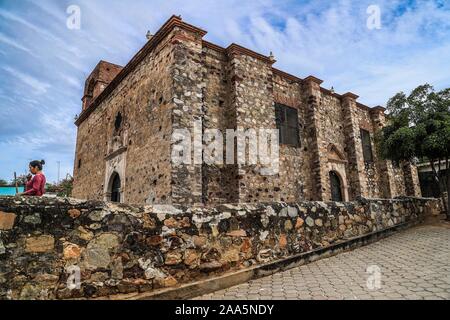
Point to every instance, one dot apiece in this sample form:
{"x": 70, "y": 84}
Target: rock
{"x": 283, "y": 213}
{"x": 282, "y": 242}
{"x": 74, "y": 213}
{"x": 341, "y": 219}
{"x": 231, "y": 255}
{"x": 99, "y": 277}
{"x": 325, "y": 244}
{"x": 7, "y": 220}
{"x": 299, "y": 223}
{"x": 199, "y": 241}
{"x": 310, "y": 222}
{"x": 154, "y": 240}
{"x": 246, "y": 245}
{"x": 264, "y": 255}
{"x": 263, "y": 235}
{"x": 319, "y": 222}
{"x": 148, "y": 222}
{"x": 237, "y": 233}
{"x": 185, "y": 223}
{"x": 33, "y": 219}
{"x": 98, "y": 251}
{"x": 162, "y": 210}
{"x": 153, "y": 273}
{"x": 48, "y": 279}
{"x": 39, "y": 244}
{"x": 117, "y": 269}
{"x": 191, "y": 258}
{"x": 173, "y": 258}
{"x": 97, "y": 216}
{"x": 71, "y": 251}
{"x": 2, "y": 248}
{"x": 84, "y": 234}
{"x": 270, "y": 211}
{"x": 292, "y": 212}
{"x": 210, "y": 266}
{"x": 288, "y": 225}
{"x": 169, "y": 282}
{"x": 342, "y": 227}
{"x": 171, "y": 223}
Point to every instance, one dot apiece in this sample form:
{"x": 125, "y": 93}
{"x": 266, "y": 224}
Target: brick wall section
{"x": 123, "y": 249}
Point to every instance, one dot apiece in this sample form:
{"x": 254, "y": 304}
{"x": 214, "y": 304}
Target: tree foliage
{"x": 419, "y": 128}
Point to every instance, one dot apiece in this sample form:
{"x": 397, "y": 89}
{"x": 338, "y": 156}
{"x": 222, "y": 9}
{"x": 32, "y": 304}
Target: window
{"x": 366, "y": 146}
{"x": 79, "y": 163}
{"x": 287, "y": 124}
{"x": 118, "y": 122}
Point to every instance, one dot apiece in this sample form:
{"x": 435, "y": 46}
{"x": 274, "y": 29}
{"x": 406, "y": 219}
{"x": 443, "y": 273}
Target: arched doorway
{"x": 336, "y": 187}
{"x": 115, "y": 188}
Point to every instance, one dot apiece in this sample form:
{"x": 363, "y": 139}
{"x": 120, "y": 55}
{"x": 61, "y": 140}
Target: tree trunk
{"x": 448, "y": 194}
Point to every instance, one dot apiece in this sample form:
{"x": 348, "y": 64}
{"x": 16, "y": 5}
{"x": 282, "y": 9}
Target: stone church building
{"x": 124, "y": 141}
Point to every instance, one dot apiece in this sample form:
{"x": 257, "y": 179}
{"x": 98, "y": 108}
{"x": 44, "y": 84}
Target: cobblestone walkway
{"x": 413, "y": 264}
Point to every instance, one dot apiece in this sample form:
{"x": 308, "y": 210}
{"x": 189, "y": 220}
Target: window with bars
{"x": 287, "y": 124}
{"x": 366, "y": 146}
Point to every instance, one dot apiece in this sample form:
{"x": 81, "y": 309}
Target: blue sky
{"x": 43, "y": 64}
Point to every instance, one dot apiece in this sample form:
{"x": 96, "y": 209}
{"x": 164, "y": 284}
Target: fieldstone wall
{"x": 124, "y": 249}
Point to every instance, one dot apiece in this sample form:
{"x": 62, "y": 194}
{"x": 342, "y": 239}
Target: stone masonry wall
{"x": 124, "y": 249}
{"x": 140, "y": 150}
{"x": 183, "y": 80}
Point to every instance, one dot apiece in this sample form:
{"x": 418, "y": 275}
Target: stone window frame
{"x": 366, "y": 144}
{"x": 287, "y": 123}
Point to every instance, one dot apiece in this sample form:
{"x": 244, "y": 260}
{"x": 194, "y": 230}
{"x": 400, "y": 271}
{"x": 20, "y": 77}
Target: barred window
{"x": 366, "y": 146}
{"x": 287, "y": 124}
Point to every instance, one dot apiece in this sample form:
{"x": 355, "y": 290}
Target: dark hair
{"x": 37, "y": 163}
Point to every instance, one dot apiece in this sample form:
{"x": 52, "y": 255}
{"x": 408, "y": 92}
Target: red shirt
{"x": 37, "y": 186}
{"x": 29, "y": 185}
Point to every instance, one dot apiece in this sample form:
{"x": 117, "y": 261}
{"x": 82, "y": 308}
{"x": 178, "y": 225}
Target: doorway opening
{"x": 115, "y": 187}
{"x": 336, "y": 187}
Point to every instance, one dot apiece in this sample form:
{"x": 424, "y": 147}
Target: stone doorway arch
{"x": 336, "y": 187}
{"x": 114, "y": 188}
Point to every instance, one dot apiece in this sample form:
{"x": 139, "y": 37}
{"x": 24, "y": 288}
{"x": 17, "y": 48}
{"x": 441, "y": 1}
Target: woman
{"x": 36, "y": 187}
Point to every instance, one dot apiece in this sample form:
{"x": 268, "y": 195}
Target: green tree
{"x": 419, "y": 128}
{"x": 3, "y": 183}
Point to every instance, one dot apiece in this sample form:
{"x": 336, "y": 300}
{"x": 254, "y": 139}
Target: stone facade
{"x": 46, "y": 243}
{"x": 129, "y": 115}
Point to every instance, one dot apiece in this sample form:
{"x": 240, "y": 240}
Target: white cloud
{"x": 37, "y": 86}
{"x": 13, "y": 43}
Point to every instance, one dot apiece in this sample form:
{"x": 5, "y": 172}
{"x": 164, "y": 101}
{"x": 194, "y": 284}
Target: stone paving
{"x": 413, "y": 264}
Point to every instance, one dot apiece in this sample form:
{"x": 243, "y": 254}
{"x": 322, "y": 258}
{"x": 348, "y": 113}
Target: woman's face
{"x": 33, "y": 170}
